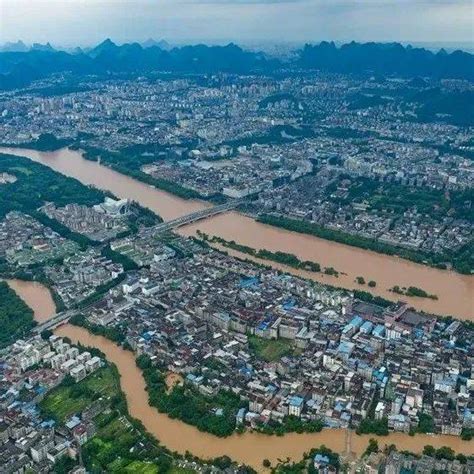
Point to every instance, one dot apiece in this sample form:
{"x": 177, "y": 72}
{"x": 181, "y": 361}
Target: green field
{"x": 66, "y": 400}
{"x": 120, "y": 444}
{"x": 270, "y": 349}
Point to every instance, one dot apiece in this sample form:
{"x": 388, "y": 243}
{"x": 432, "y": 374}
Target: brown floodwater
{"x": 36, "y": 296}
{"x": 71, "y": 163}
{"x": 249, "y": 448}
{"x": 455, "y": 292}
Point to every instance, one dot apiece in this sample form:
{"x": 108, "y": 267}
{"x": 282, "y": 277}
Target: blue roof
{"x": 246, "y": 282}
{"x": 295, "y": 400}
{"x": 321, "y": 459}
{"x": 379, "y": 330}
{"x": 356, "y": 321}
{"x": 289, "y": 304}
{"x": 367, "y": 326}
{"x": 345, "y": 347}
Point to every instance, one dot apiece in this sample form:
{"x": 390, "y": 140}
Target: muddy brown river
{"x": 36, "y": 296}
{"x": 455, "y": 291}
{"x": 249, "y": 448}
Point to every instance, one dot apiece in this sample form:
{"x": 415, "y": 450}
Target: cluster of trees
{"x": 16, "y": 318}
{"x": 371, "y": 425}
{"x": 462, "y": 265}
{"x": 413, "y": 291}
{"x": 116, "y": 334}
{"x": 190, "y": 406}
{"x": 46, "y": 142}
{"x": 291, "y": 424}
{"x": 280, "y": 257}
{"x": 425, "y": 424}
{"x": 444, "y": 452}
{"x": 306, "y": 465}
{"x": 37, "y": 184}
{"x": 369, "y": 298}
{"x": 127, "y": 263}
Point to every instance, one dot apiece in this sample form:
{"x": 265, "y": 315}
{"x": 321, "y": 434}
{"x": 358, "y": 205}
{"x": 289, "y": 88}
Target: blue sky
{"x": 85, "y": 22}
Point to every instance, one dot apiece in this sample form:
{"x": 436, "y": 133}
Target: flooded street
{"x": 455, "y": 292}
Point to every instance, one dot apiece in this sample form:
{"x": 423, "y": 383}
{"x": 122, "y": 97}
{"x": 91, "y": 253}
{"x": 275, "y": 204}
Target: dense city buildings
{"x": 228, "y": 344}
{"x": 373, "y": 160}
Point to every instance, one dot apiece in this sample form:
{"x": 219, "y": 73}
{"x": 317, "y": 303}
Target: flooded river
{"x": 248, "y": 448}
{"x": 36, "y": 296}
{"x": 455, "y": 292}
{"x": 71, "y": 163}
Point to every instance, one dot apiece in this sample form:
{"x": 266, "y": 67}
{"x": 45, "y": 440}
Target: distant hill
{"x": 387, "y": 59}
{"x": 20, "y": 68}
{"x": 17, "y": 47}
{"x": 162, "y": 44}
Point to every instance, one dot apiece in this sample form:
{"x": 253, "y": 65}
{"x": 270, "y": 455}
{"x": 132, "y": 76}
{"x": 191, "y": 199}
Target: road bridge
{"x": 197, "y": 216}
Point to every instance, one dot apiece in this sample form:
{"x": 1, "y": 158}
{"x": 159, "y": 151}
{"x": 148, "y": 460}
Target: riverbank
{"x": 417, "y": 256}
{"x": 37, "y": 296}
{"x": 248, "y": 448}
{"x": 454, "y": 290}
{"x": 350, "y": 263}
{"x": 71, "y": 163}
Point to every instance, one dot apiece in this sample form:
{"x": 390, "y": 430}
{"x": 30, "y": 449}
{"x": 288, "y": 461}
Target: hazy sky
{"x": 86, "y": 22}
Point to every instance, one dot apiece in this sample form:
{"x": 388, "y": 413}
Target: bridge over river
{"x": 63, "y": 317}
{"x": 197, "y": 216}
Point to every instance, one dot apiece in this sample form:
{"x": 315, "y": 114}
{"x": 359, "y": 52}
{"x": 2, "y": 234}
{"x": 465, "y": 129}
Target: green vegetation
{"x": 331, "y": 271}
{"x": 45, "y": 142}
{"x": 306, "y": 465}
{"x": 129, "y": 161}
{"x": 369, "y": 298}
{"x": 373, "y": 447}
{"x": 467, "y": 434}
{"x": 82, "y": 240}
{"x": 360, "y": 280}
{"x": 371, "y": 425}
{"x": 116, "y": 334}
{"x": 441, "y": 453}
{"x": 189, "y": 405}
{"x": 121, "y": 444}
{"x": 372, "y": 284}
{"x": 462, "y": 260}
{"x": 70, "y": 398}
{"x": 16, "y": 318}
{"x": 413, "y": 291}
{"x": 270, "y": 349}
{"x": 126, "y": 262}
{"x": 291, "y": 424}
{"x": 279, "y": 257}
{"x": 38, "y": 184}
{"x": 100, "y": 291}
{"x": 425, "y": 424}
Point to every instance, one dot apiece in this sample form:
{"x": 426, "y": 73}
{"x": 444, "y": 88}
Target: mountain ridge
{"x": 20, "y": 68}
